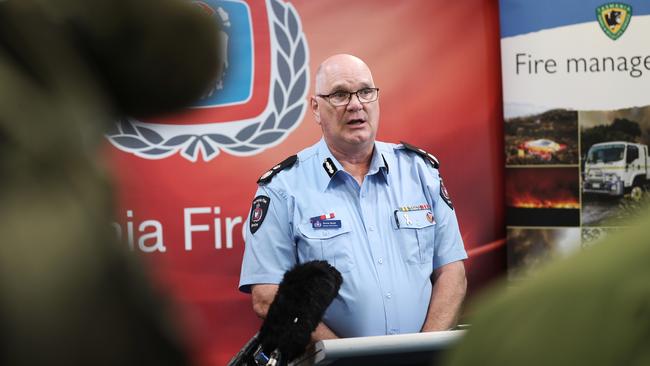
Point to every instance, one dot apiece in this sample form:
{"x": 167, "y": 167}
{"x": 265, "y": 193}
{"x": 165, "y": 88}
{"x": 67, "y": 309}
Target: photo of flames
{"x": 550, "y": 137}
{"x": 542, "y": 197}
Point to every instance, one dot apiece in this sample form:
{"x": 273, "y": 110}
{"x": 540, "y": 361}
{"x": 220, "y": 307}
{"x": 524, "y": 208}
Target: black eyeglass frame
{"x": 328, "y": 96}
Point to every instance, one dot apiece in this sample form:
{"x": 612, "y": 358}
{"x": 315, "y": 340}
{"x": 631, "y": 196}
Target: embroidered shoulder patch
{"x": 428, "y": 156}
{"x": 286, "y": 163}
{"x": 259, "y": 208}
{"x": 445, "y": 195}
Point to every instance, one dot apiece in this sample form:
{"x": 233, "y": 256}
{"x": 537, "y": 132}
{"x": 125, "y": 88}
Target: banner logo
{"x": 614, "y": 18}
{"x": 258, "y": 102}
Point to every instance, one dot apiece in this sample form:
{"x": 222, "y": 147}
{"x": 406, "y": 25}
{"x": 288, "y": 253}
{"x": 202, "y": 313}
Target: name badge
{"x": 326, "y": 224}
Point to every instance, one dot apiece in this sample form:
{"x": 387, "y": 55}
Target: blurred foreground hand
{"x": 591, "y": 309}
{"x": 70, "y": 295}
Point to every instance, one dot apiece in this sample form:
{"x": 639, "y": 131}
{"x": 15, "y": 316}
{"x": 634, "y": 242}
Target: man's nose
{"x": 354, "y": 104}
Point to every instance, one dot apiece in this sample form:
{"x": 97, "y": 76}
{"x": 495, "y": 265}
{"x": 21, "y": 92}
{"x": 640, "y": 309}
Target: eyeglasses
{"x": 341, "y": 98}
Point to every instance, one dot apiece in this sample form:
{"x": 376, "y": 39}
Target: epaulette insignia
{"x": 329, "y": 167}
{"x": 428, "y": 156}
{"x": 286, "y": 163}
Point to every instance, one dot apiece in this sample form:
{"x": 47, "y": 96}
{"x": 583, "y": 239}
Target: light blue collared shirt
{"x": 396, "y": 228}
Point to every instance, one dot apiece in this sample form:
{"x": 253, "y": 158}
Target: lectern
{"x": 403, "y": 350}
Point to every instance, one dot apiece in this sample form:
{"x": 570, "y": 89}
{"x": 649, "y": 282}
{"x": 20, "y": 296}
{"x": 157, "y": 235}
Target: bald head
{"x": 339, "y": 68}
{"x": 348, "y": 129}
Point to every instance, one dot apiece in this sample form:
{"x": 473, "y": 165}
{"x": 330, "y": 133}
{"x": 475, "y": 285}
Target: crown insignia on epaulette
{"x": 269, "y": 174}
{"x": 428, "y": 156}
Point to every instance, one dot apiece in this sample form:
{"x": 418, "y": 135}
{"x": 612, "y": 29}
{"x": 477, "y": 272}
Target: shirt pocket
{"x": 415, "y": 235}
{"x": 332, "y": 245}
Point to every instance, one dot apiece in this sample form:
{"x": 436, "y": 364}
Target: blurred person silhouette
{"x": 590, "y": 309}
{"x": 69, "y": 293}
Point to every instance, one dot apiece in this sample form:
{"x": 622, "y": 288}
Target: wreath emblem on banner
{"x": 285, "y": 109}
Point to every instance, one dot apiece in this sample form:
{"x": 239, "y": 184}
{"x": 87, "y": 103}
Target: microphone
{"x": 303, "y": 295}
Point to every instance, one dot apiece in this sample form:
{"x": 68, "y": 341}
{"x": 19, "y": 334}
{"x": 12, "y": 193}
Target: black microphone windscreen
{"x": 299, "y": 305}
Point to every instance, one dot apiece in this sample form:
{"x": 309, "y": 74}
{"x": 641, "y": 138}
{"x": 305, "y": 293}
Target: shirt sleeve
{"x": 269, "y": 251}
{"x": 448, "y": 243}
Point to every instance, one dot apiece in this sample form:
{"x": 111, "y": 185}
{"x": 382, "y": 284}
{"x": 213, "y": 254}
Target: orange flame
{"x": 553, "y": 188}
{"x": 546, "y": 203}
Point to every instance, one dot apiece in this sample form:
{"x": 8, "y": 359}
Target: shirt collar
{"x": 328, "y": 167}
{"x": 378, "y": 162}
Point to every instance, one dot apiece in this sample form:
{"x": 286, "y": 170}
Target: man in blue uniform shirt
{"x": 376, "y": 211}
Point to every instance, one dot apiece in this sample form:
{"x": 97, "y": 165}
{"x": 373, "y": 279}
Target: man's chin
{"x": 359, "y": 139}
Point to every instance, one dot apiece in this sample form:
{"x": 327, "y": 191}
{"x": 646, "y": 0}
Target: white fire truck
{"x": 616, "y": 168}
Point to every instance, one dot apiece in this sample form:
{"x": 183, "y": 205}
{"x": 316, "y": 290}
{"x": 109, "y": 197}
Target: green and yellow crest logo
{"x": 614, "y": 18}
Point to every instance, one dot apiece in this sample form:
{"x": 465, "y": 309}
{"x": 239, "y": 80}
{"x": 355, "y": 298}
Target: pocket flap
{"x": 414, "y": 219}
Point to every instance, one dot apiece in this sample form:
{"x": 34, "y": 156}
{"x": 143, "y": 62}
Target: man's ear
{"x": 314, "y": 109}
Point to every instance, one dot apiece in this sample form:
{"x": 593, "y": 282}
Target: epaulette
{"x": 427, "y": 156}
{"x": 286, "y": 163}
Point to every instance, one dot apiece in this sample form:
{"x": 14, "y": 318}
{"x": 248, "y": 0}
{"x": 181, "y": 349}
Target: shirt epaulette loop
{"x": 286, "y": 163}
{"x": 428, "y": 156}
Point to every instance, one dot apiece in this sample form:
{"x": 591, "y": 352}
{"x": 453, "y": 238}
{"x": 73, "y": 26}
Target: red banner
{"x": 185, "y": 182}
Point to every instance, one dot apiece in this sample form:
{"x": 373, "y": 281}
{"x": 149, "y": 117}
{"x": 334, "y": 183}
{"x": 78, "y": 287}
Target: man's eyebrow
{"x": 341, "y": 87}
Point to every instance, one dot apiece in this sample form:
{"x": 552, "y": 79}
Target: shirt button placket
{"x": 391, "y": 313}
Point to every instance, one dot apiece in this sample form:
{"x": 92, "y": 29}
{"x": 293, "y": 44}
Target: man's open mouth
{"x": 355, "y": 122}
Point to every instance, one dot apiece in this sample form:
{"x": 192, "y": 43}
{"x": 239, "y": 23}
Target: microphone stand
{"x": 253, "y": 355}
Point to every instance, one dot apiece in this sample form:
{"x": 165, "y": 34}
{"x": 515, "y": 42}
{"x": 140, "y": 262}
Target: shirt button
{"x": 325, "y": 233}
{"x": 371, "y": 228}
{"x": 380, "y": 261}
{"x": 388, "y": 295}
